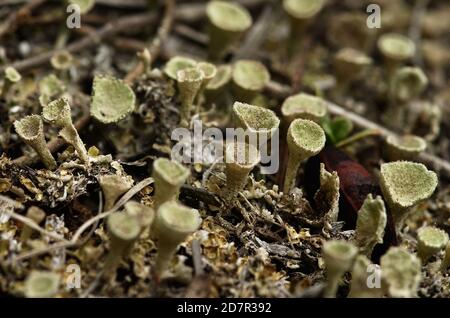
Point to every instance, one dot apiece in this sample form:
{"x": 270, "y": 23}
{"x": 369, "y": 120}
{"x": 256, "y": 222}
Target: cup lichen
{"x": 405, "y": 147}
{"x": 169, "y": 176}
{"x": 240, "y": 159}
{"x": 178, "y": 63}
{"x": 400, "y": 273}
{"x": 189, "y": 82}
{"x": 42, "y": 284}
{"x": 404, "y": 184}
{"x": 304, "y": 106}
{"x": 430, "y": 240}
{"x": 31, "y": 130}
{"x": 58, "y": 112}
{"x": 249, "y": 79}
{"x": 173, "y": 224}
{"x": 227, "y": 23}
{"x": 305, "y": 139}
{"x": 113, "y": 186}
{"x": 11, "y": 77}
{"x": 338, "y": 257}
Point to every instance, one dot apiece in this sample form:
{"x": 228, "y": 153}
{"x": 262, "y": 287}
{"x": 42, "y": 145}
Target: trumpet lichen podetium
{"x": 240, "y": 159}
{"x": 305, "y": 139}
{"x": 58, "y": 112}
{"x": 41, "y": 284}
{"x": 11, "y": 77}
{"x": 249, "y": 79}
{"x": 189, "y": 83}
{"x": 396, "y": 49}
{"x": 338, "y": 257}
{"x": 142, "y": 212}
{"x": 300, "y": 12}
{"x": 359, "y": 287}
{"x": 227, "y": 22}
{"x": 173, "y": 224}
{"x": 169, "y": 176}
{"x": 445, "y": 263}
{"x": 35, "y": 214}
{"x": 255, "y": 119}
{"x": 404, "y": 184}
{"x": 400, "y": 273}
{"x": 113, "y": 186}
{"x": 31, "y": 130}
{"x": 123, "y": 230}
{"x": 405, "y": 147}
{"x": 430, "y": 241}
{"x": 304, "y": 106}
{"x": 112, "y": 99}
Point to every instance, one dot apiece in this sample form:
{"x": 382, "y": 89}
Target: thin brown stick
{"x": 155, "y": 46}
{"x": 10, "y": 24}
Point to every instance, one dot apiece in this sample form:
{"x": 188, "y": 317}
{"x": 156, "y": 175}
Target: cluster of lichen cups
{"x": 58, "y": 113}
{"x": 168, "y": 221}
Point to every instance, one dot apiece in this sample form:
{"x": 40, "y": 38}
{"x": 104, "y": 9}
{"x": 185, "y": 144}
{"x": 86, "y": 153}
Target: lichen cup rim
{"x": 439, "y": 237}
{"x": 250, "y": 75}
{"x": 29, "y": 127}
{"x": 177, "y": 217}
{"x": 353, "y": 56}
{"x": 12, "y": 74}
{"x": 291, "y": 7}
{"x": 400, "y": 41}
{"x": 124, "y": 226}
{"x": 249, "y": 115}
{"x": 222, "y": 78}
{"x": 393, "y": 183}
{"x": 170, "y": 171}
{"x": 303, "y": 103}
{"x": 299, "y": 128}
{"x": 409, "y": 143}
{"x": 50, "y": 279}
{"x": 218, "y": 14}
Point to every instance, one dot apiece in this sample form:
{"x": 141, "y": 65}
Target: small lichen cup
{"x": 305, "y": 139}
{"x": 217, "y": 88}
{"x": 430, "y": 240}
{"x": 209, "y": 72}
{"x": 42, "y": 284}
{"x": 173, "y": 224}
{"x": 300, "y": 12}
{"x": 123, "y": 230}
{"x": 404, "y": 184}
{"x": 113, "y": 186}
{"x": 228, "y": 21}
{"x": 400, "y": 273}
{"x": 31, "y": 130}
{"x": 169, "y": 176}
{"x": 396, "y": 49}
{"x": 35, "y": 214}
{"x": 405, "y": 147}
{"x": 142, "y": 212}
{"x": 58, "y": 112}
{"x": 359, "y": 287}
{"x": 338, "y": 257}
{"x": 240, "y": 159}
{"x": 11, "y": 77}
{"x": 189, "y": 83}
{"x": 304, "y": 106}
{"x": 255, "y": 120}
{"x": 349, "y": 64}
{"x": 249, "y": 79}
{"x": 406, "y": 85}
